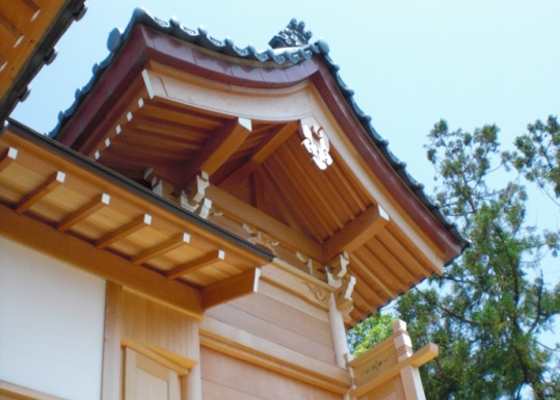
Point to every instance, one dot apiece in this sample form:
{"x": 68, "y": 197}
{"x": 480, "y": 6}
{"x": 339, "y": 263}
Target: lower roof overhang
{"x": 61, "y": 203}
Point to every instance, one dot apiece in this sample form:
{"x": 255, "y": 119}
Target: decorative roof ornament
{"x": 293, "y": 35}
{"x": 316, "y": 142}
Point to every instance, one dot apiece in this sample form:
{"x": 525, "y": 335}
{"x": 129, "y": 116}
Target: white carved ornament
{"x": 316, "y": 142}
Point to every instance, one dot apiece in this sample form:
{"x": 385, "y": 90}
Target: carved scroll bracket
{"x": 260, "y": 238}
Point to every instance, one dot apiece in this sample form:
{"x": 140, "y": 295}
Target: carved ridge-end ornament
{"x": 316, "y": 142}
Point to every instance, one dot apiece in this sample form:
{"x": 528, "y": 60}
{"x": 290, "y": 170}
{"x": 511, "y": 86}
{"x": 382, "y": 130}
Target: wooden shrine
{"x": 205, "y": 222}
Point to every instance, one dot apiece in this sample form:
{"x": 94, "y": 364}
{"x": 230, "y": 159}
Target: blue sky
{"x": 409, "y": 62}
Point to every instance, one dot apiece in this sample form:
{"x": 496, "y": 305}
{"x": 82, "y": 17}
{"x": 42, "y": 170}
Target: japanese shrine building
{"x": 203, "y": 223}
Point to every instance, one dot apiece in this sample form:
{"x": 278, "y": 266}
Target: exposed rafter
{"x": 223, "y": 144}
{"x": 199, "y": 263}
{"x": 260, "y": 155}
{"x": 53, "y": 181}
{"x": 79, "y": 215}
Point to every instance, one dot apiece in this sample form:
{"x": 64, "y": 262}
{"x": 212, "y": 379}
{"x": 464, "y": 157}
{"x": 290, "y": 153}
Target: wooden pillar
{"x": 410, "y": 376}
{"x": 111, "y": 379}
{"x": 341, "y": 351}
{"x": 191, "y": 384}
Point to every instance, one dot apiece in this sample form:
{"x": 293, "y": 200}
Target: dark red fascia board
{"x": 147, "y": 44}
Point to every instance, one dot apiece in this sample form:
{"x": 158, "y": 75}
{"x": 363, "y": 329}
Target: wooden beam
{"x": 36, "y": 195}
{"x": 8, "y": 156}
{"x": 79, "y": 215}
{"x": 231, "y": 288}
{"x": 81, "y": 254}
{"x": 162, "y": 248}
{"x": 356, "y": 233}
{"x": 111, "y": 371}
{"x": 277, "y": 139}
{"x": 241, "y": 211}
{"x": 223, "y": 144}
{"x": 195, "y": 265}
{"x": 133, "y": 226}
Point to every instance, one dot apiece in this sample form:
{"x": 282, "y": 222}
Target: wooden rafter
{"x": 201, "y": 262}
{"x": 133, "y": 226}
{"x": 162, "y": 248}
{"x": 357, "y": 264}
{"x": 10, "y": 27}
{"x": 260, "y": 155}
{"x": 79, "y": 215}
{"x": 222, "y": 145}
{"x": 8, "y": 156}
{"x": 356, "y": 233}
{"x": 53, "y": 181}
{"x": 231, "y": 288}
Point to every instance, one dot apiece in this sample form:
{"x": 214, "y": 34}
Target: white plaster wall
{"x": 51, "y": 324}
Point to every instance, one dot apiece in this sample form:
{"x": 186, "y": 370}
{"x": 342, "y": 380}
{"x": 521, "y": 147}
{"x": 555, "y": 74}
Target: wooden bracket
{"x": 260, "y": 238}
{"x": 339, "y": 264}
{"x": 344, "y": 293}
{"x": 308, "y": 261}
{"x": 194, "y": 199}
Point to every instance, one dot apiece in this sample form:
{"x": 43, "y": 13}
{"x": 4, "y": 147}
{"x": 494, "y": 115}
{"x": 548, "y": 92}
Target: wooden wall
{"x": 281, "y": 318}
{"x": 225, "y": 378}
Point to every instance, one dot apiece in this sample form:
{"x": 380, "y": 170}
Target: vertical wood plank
{"x": 191, "y": 384}
{"x": 111, "y": 380}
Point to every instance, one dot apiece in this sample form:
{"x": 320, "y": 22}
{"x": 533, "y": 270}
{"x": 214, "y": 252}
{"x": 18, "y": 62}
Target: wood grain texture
{"x": 255, "y": 381}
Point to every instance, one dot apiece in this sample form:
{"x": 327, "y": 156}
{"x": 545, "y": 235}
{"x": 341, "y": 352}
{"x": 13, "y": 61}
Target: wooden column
{"x": 191, "y": 384}
{"x": 410, "y": 375}
{"x": 111, "y": 380}
{"x": 338, "y": 333}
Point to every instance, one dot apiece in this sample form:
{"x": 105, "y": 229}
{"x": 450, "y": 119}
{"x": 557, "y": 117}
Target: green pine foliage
{"x": 491, "y": 306}
{"x": 371, "y": 331}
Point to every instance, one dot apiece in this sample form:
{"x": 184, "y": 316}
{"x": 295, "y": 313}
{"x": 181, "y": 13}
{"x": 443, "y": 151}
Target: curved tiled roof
{"x": 273, "y": 57}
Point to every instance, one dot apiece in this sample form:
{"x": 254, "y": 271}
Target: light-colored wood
{"x": 281, "y": 375}
{"x": 264, "y": 151}
{"x": 338, "y": 333}
{"x": 244, "y": 212}
{"x": 292, "y": 300}
{"x": 133, "y": 226}
{"x": 111, "y": 373}
{"x": 195, "y": 265}
{"x": 179, "y": 364}
{"x": 232, "y": 288}
{"x": 223, "y": 144}
{"x": 79, "y": 215}
{"x": 254, "y": 380}
{"x": 356, "y": 233}
{"x": 215, "y": 391}
{"x": 81, "y": 254}
{"x": 356, "y": 263}
{"x": 148, "y": 379}
{"x": 275, "y": 332}
{"x": 297, "y": 283}
{"x": 8, "y": 156}
{"x": 162, "y": 248}
{"x": 23, "y": 393}
{"x": 51, "y": 183}
{"x": 277, "y": 313}
{"x": 246, "y": 342}
{"x": 421, "y": 357}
